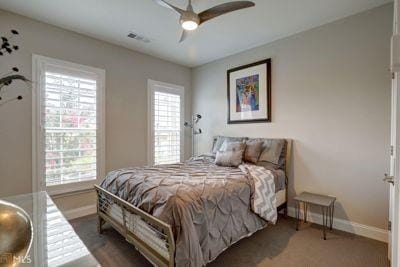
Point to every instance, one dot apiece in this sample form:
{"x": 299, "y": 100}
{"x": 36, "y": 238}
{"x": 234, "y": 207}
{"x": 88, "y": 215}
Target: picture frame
{"x": 249, "y": 93}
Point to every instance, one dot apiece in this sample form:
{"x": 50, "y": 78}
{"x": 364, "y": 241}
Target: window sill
{"x": 71, "y": 189}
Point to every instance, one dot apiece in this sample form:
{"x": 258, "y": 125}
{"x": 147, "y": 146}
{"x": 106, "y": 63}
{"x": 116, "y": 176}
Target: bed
{"x": 186, "y": 214}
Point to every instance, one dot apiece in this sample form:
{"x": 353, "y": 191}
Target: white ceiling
{"x": 111, "y": 20}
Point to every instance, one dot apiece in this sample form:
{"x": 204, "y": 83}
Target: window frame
{"x": 171, "y": 89}
{"x": 38, "y": 176}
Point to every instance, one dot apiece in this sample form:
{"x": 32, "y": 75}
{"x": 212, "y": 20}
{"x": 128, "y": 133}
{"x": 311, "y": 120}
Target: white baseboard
{"x": 79, "y": 212}
{"x": 347, "y": 226}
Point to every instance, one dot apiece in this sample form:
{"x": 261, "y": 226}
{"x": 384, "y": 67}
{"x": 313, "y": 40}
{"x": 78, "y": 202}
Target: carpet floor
{"x": 278, "y": 245}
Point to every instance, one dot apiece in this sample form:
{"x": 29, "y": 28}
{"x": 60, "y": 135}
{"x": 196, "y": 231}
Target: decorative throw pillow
{"x": 217, "y": 144}
{"x": 219, "y": 140}
{"x": 230, "y": 154}
{"x": 253, "y": 150}
{"x": 230, "y": 158}
{"x": 281, "y": 162}
{"x": 272, "y": 150}
{"x": 232, "y": 146}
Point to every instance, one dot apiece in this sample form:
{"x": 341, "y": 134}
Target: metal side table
{"x": 327, "y": 204}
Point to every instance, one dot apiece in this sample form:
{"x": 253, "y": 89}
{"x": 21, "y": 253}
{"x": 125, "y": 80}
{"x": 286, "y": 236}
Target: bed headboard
{"x": 288, "y": 163}
{"x": 288, "y": 155}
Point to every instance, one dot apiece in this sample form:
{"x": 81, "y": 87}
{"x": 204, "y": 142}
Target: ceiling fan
{"x": 190, "y": 20}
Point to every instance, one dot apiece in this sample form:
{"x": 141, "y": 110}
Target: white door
{"x": 393, "y": 178}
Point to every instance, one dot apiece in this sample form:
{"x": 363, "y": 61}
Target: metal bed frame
{"x": 152, "y": 237}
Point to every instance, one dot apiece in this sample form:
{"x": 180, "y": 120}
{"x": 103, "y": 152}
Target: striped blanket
{"x": 264, "y": 199}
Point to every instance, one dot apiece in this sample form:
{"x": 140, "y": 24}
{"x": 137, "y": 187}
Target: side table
{"x": 327, "y": 204}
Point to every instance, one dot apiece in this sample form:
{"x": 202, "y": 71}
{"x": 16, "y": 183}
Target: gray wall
{"x": 126, "y": 100}
{"x": 331, "y": 95}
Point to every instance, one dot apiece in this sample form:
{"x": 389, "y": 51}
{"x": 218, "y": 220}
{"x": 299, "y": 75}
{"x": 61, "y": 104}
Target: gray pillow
{"x": 230, "y": 158}
{"x": 229, "y": 146}
{"x": 219, "y": 140}
{"x": 253, "y": 150}
{"x": 272, "y": 150}
{"x": 230, "y": 154}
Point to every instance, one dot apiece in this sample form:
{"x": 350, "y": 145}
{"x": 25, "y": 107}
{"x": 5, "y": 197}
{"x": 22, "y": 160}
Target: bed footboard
{"x": 152, "y": 237}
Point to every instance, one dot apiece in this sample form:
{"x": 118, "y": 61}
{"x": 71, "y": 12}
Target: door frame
{"x": 394, "y": 209}
{"x": 394, "y": 201}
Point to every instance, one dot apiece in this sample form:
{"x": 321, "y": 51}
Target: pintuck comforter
{"x": 208, "y": 207}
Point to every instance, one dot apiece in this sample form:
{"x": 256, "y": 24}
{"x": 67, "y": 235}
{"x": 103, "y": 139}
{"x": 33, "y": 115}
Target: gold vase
{"x": 16, "y": 234}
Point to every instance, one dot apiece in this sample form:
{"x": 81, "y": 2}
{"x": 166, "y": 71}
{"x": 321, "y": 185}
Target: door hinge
{"x": 389, "y": 226}
{"x": 391, "y": 150}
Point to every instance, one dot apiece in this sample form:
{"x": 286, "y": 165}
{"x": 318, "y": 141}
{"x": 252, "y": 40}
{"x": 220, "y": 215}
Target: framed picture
{"x": 249, "y": 93}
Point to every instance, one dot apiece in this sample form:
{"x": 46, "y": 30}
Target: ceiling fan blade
{"x": 223, "y": 9}
{"x": 167, "y": 5}
{"x": 184, "y": 35}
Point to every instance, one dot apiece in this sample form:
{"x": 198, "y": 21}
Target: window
{"x": 68, "y": 125}
{"x": 166, "y": 107}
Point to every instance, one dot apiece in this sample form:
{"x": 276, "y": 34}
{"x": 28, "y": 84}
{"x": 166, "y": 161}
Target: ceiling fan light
{"x": 189, "y": 25}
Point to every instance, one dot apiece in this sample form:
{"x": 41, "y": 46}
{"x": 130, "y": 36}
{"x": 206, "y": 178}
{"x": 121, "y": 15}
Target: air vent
{"x": 138, "y": 37}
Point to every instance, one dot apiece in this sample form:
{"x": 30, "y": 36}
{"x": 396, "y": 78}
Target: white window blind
{"x": 69, "y": 140}
{"x": 70, "y": 128}
{"x": 167, "y": 103}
